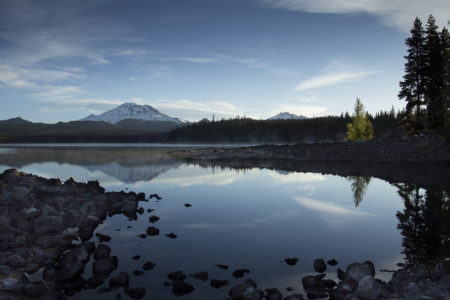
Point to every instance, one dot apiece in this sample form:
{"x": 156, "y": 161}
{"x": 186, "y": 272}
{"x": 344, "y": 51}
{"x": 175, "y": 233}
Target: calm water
{"x": 251, "y": 218}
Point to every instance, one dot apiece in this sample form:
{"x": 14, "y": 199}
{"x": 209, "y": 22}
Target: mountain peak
{"x": 287, "y": 116}
{"x": 131, "y": 111}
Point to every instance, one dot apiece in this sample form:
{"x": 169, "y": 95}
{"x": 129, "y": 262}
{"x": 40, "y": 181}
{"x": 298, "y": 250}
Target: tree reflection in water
{"x": 359, "y": 186}
{"x": 424, "y": 223}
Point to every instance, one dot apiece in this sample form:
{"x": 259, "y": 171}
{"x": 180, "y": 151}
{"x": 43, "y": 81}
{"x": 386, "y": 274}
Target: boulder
{"x": 47, "y": 224}
{"x": 216, "y": 283}
{"x": 201, "y": 275}
{"x": 246, "y": 291}
{"x": 273, "y": 294}
{"x": 102, "y": 251}
{"x": 319, "y": 265}
{"x": 103, "y": 267}
{"x": 135, "y": 293}
{"x": 122, "y": 279}
{"x": 358, "y": 271}
{"x": 180, "y": 288}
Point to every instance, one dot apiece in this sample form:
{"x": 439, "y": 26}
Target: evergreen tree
{"x": 412, "y": 86}
{"x": 360, "y": 128}
{"x": 445, "y": 92}
{"x": 434, "y": 79}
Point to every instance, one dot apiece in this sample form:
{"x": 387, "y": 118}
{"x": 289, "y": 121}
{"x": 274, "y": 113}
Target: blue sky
{"x": 61, "y": 60}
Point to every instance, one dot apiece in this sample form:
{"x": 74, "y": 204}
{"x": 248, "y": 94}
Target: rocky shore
{"x": 424, "y": 148}
{"x": 46, "y": 226}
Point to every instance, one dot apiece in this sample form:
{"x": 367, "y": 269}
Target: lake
{"x": 245, "y": 218}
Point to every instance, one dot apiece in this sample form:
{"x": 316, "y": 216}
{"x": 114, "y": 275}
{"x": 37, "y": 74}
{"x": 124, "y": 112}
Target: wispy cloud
{"x": 329, "y": 207}
{"x": 332, "y": 79}
{"x": 198, "y": 60}
{"x": 399, "y": 13}
{"x": 218, "y": 107}
{"x": 277, "y": 71}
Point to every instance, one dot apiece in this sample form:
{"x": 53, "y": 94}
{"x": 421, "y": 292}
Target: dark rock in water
{"x": 289, "y": 289}
{"x": 135, "y": 293}
{"x": 142, "y": 236}
{"x": 239, "y": 273}
{"x": 291, "y": 260}
{"x": 314, "y": 286}
{"x": 140, "y": 210}
{"x": 368, "y": 288}
{"x": 103, "y": 267}
{"x": 74, "y": 286}
{"x": 150, "y": 210}
{"x": 102, "y": 251}
{"x": 219, "y": 283}
{"x": 152, "y": 231}
{"x": 246, "y": 291}
{"x": 149, "y": 266}
{"x": 176, "y": 276}
{"x": 329, "y": 283}
{"x": 138, "y": 273}
{"x": 273, "y": 294}
{"x": 352, "y": 283}
{"x": 103, "y": 237}
{"x": 294, "y": 297}
{"x": 201, "y": 275}
{"x": 180, "y": 288}
{"x": 71, "y": 264}
{"x": 187, "y": 205}
{"x": 153, "y": 219}
{"x": 171, "y": 235}
{"x": 36, "y": 289}
{"x": 155, "y": 196}
{"x": 94, "y": 283}
{"x": 332, "y": 262}
{"x": 319, "y": 265}
{"x": 358, "y": 271}
{"x": 122, "y": 279}
{"x": 314, "y": 294}
{"x": 136, "y": 257}
{"x": 223, "y": 267}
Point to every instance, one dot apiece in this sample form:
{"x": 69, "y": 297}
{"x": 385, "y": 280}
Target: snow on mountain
{"x": 287, "y": 116}
{"x": 132, "y": 111}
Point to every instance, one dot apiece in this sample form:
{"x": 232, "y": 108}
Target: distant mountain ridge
{"x": 287, "y": 116}
{"x": 135, "y": 112}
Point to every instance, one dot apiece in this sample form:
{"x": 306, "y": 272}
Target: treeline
{"x": 244, "y": 130}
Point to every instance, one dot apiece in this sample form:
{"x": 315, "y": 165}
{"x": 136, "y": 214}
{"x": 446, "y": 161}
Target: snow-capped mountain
{"x": 287, "y": 116}
{"x": 132, "y": 111}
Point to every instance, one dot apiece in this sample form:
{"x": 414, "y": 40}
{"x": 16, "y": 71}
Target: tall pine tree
{"x": 445, "y": 92}
{"x": 412, "y": 87}
{"x": 434, "y": 80}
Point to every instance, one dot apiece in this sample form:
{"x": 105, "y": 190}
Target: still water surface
{"x": 252, "y": 218}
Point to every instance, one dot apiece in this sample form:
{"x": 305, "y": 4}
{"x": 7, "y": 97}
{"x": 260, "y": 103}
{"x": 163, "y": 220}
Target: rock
{"x": 138, "y": 273}
{"x": 122, "y": 279}
{"x": 153, "y": 219}
{"x": 223, "y": 267}
{"x": 239, "y": 273}
{"x": 273, "y": 294}
{"x": 319, "y": 265}
{"x": 102, "y": 251}
{"x": 291, "y": 260}
{"x": 136, "y": 257}
{"x": 36, "y": 289}
{"x": 314, "y": 294}
{"x": 176, "y": 276}
{"x": 329, "y": 283}
{"x": 218, "y": 283}
{"x": 358, "y": 271}
{"x": 289, "y": 289}
{"x": 16, "y": 261}
{"x": 368, "y": 288}
{"x": 171, "y": 235}
{"x": 142, "y": 236}
{"x": 332, "y": 262}
{"x": 148, "y": 266}
{"x": 246, "y": 291}
{"x": 187, "y": 205}
{"x": 4, "y": 270}
{"x": 352, "y": 283}
{"x": 46, "y": 224}
{"x": 32, "y": 213}
{"x": 180, "y": 288}
{"x": 201, "y": 275}
{"x": 103, "y": 237}
{"x": 135, "y": 293}
{"x": 94, "y": 283}
{"x": 313, "y": 282}
{"x": 152, "y": 231}
{"x": 150, "y": 210}
{"x": 140, "y": 210}
{"x": 103, "y": 267}
{"x": 71, "y": 264}
{"x": 294, "y": 297}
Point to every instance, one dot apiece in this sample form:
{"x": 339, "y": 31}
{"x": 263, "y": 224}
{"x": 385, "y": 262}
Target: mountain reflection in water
{"x": 239, "y": 208}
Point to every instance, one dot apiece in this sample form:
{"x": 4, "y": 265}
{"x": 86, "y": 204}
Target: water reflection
{"x": 359, "y": 186}
{"x": 424, "y": 223}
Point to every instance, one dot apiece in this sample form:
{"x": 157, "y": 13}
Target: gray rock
{"x": 273, "y": 294}
{"x": 103, "y": 267}
{"x": 32, "y": 213}
{"x": 16, "y": 261}
{"x": 201, "y": 275}
{"x": 358, "y": 271}
{"x": 151, "y": 265}
{"x": 122, "y": 279}
{"x": 135, "y": 293}
{"x": 46, "y": 224}
{"x": 102, "y": 251}
{"x": 217, "y": 283}
{"x": 319, "y": 265}
{"x": 246, "y": 291}
{"x": 368, "y": 288}
{"x": 94, "y": 283}
{"x": 152, "y": 231}
{"x": 180, "y": 288}
{"x": 176, "y": 276}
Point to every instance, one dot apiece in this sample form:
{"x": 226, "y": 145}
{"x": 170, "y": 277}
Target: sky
{"x": 62, "y": 60}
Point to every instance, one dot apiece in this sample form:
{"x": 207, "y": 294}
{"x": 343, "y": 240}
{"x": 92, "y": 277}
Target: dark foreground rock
{"x": 39, "y": 220}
